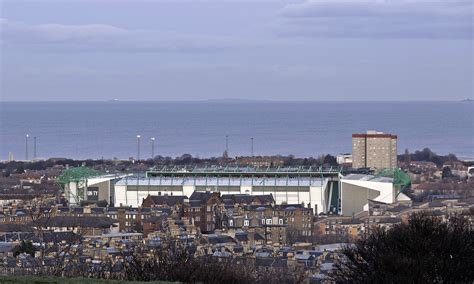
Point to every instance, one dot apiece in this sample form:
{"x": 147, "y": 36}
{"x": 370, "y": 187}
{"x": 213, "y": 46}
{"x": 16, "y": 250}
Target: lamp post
{"x": 138, "y": 147}
{"x": 26, "y": 146}
{"x": 152, "y": 147}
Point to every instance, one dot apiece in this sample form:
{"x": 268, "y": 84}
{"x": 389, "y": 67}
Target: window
{"x": 263, "y": 221}
{"x": 231, "y": 223}
{"x": 246, "y": 223}
{"x": 269, "y": 221}
{"x": 280, "y": 221}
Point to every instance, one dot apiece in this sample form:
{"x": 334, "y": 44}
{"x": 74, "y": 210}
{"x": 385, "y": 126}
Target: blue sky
{"x": 70, "y": 50}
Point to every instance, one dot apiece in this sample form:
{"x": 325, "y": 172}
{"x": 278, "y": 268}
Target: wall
{"x": 355, "y": 193}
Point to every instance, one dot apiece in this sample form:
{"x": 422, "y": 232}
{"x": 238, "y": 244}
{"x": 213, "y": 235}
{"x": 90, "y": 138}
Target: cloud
{"x": 99, "y": 37}
{"x": 379, "y": 19}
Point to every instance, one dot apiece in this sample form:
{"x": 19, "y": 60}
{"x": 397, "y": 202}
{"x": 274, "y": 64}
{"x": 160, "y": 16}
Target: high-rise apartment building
{"x": 374, "y": 150}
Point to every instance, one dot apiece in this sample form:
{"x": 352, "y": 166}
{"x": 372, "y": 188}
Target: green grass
{"x": 59, "y": 280}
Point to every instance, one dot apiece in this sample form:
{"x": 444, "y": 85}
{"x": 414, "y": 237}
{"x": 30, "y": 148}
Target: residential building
{"x": 374, "y": 149}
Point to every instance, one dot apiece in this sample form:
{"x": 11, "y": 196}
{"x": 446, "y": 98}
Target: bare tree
{"x": 426, "y": 250}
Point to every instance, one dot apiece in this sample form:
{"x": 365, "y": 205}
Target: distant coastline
{"x": 237, "y": 100}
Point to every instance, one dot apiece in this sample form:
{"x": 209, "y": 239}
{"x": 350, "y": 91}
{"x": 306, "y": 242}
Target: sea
{"x": 96, "y": 130}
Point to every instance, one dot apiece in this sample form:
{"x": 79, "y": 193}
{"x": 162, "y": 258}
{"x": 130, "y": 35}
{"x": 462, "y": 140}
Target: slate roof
{"x": 351, "y": 222}
{"x": 22, "y": 196}
{"x": 271, "y": 262}
{"x": 390, "y": 220}
{"x": 6, "y": 247}
{"x": 398, "y": 209}
{"x": 202, "y": 197}
{"x": 290, "y": 207}
{"x": 258, "y": 236}
{"x": 170, "y": 200}
{"x": 214, "y": 239}
{"x": 15, "y": 228}
{"x": 98, "y": 203}
{"x": 77, "y": 221}
{"x": 242, "y": 237}
{"x": 97, "y": 210}
{"x": 155, "y": 219}
{"x": 56, "y": 237}
{"x": 248, "y": 199}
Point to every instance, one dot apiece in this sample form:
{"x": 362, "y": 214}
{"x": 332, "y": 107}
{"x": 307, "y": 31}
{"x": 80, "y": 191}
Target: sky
{"x": 286, "y": 50}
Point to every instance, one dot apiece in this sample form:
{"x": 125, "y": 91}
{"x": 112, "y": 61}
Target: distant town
{"x": 275, "y": 216}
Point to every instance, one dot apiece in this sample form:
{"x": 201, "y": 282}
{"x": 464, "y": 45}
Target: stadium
{"x": 325, "y": 190}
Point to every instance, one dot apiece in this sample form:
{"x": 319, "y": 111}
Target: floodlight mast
{"x": 138, "y": 147}
{"x": 153, "y": 147}
{"x": 26, "y": 146}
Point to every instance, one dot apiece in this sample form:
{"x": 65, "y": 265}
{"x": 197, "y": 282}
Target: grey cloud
{"x": 378, "y": 19}
{"x": 98, "y": 37}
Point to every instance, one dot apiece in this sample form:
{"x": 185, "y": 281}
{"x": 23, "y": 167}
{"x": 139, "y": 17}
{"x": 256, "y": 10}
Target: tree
{"x": 24, "y": 247}
{"x": 330, "y": 160}
{"x": 407, "y": 157}
{"x": 174, "y": 260}
{"x": 293, "y": 235}
{"x": 424, "y": 250}
{"x": 446, "y": 173}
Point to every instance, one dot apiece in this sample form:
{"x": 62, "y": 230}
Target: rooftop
{"x": 233, "y": 170}
{"x": 222, "y": 181}
{"x": 372, "y": 178}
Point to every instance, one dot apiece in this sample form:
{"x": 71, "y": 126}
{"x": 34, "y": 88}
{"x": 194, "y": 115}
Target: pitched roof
{"x": 352, "y": 221}
{"x": 98, "y": 203}
{"x": 201, "y": 196}
{"x": 242, "y": 237}
{"x": 258, "y": 236}
{"x": 248, "y": 199}
{"x": 56, "y": 237}
{"x": 15, "y": 228}
{"x": 76, "y": 221}
{"x": 214, "y": 239}
{"x": 170, "y": 200}
{"x": 398, "y": 208}
{"x": 155, "y": 219}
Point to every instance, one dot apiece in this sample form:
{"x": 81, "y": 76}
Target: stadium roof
{"x": 368, "y": 178}
{"x": 222, "y": 181}
{"x": 244, "y": 171}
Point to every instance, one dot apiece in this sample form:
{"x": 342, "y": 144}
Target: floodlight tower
{"x": 26, "y": 146}
{"x": 138, "y": 147}
{"x": 34, "y": 148}
{"x": 152, "y": 147}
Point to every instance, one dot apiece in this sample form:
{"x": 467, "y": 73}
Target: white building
{"x": 313, "y": 192}
{"x": 357, "y": 190}
{"x": 344, "y": 159}
{"x": 323, "y": 190}
{"x": 91, "y": 189}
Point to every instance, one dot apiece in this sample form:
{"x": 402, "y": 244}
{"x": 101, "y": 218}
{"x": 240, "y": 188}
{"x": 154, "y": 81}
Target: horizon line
{"x": 230, "y": 100}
